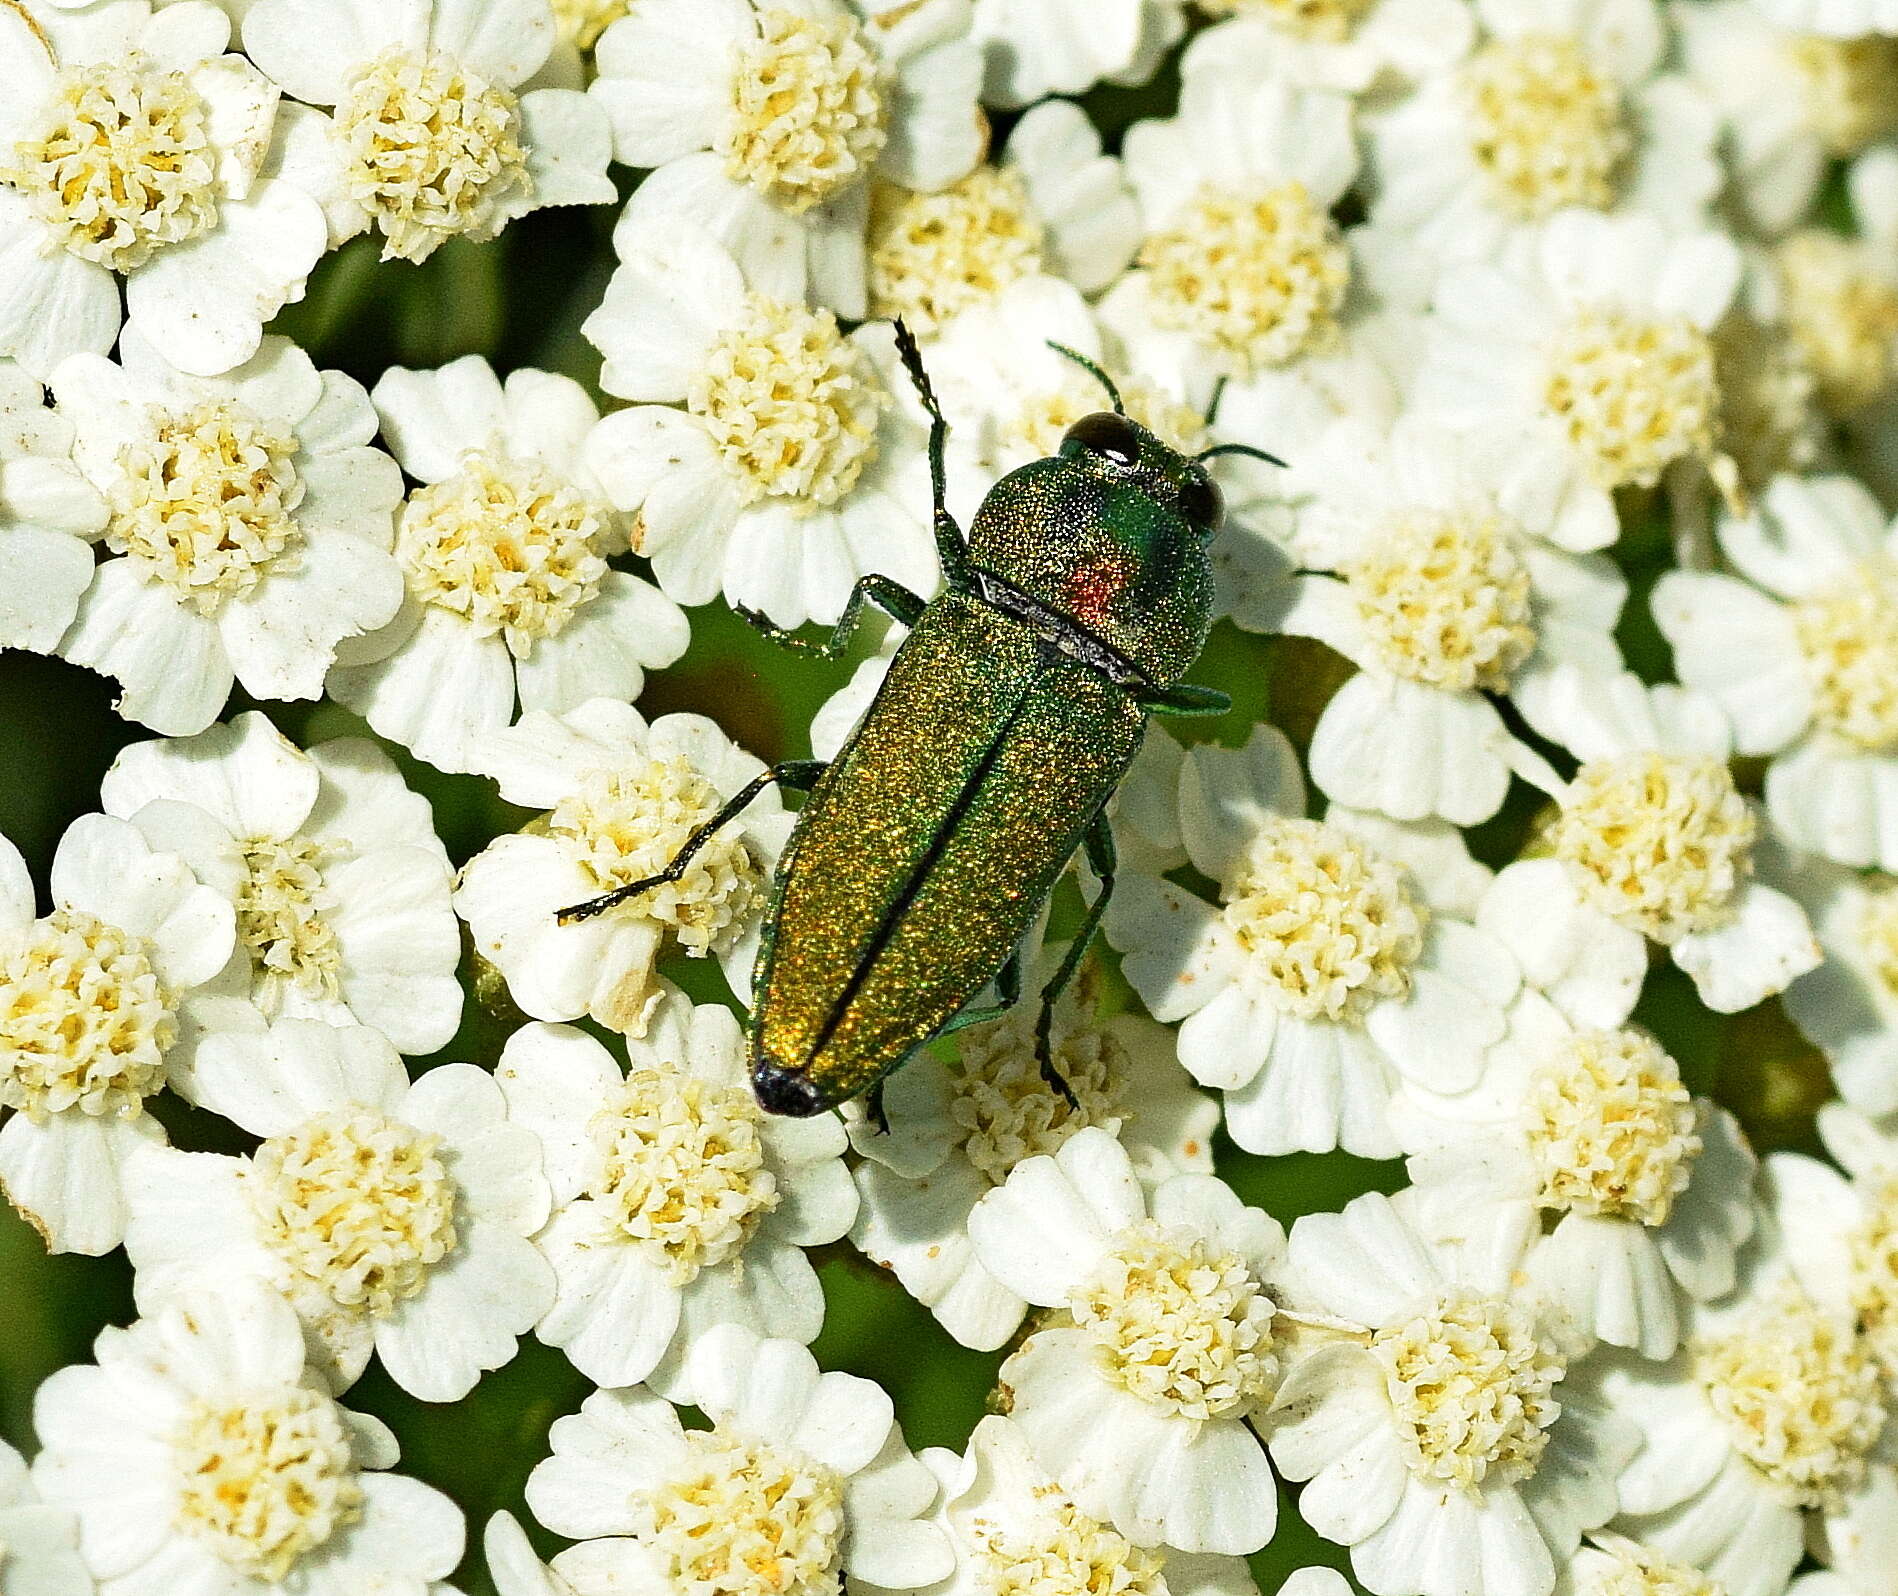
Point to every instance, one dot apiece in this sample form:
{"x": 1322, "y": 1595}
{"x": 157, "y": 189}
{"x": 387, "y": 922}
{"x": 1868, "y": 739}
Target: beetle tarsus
{"x": 878, "y": 1113}
{"x": 1044, "y": 1057}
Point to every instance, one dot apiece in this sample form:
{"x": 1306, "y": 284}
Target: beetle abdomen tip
{"x": 783, "y": 1091}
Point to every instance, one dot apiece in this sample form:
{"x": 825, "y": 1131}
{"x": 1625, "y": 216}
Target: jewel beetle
{"x": 1070, "y": 613}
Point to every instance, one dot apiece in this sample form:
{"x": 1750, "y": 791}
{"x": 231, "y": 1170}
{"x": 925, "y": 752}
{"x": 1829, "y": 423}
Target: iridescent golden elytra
{"x": 1009, "y": 715}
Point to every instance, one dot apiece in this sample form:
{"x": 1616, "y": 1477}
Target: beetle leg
{"x": 797, "y": 774}
{"x": 873, "y": 1105}
{"x": 952, "y": 552}
{"x": 1099, "y": 843}
{"x": 1007, "y": 982}
{"x": 894, "y": 599}
{"x": 1185, "y": 699}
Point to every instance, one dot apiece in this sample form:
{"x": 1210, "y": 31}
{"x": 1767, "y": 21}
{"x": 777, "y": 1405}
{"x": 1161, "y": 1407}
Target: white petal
{"x": 168, "y": 659}
{"x": 203, "y": 304}
{"x": 1760, "y": 951}
{"x": 1046, "y": 1226}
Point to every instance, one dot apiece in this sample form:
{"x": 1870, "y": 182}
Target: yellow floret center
{"x": 1445, "y": 600}
{"x": 1661, "y": 842}
{"x": 1849, "y": 635}
{"x": 1179, "y": 1323}
{"x": 431, "y": 149}
{"x": 505, "y": 544}
{"x": 1471, "y": 1386}
{"x": 1330, "y": 928}
{"x": 1611, "y": 1129}
{"x": 205, "y": 503}
{"x": 1064, "y": 1553}
{"x": 738, "y": 1517}
{"x": 1799, "y": 1395}
{"x": 120, "y": 162}
{"x": 790, "y": 404}
{"x": 679, "y": 1167}
{"x": 84, "y": 1019}
{"x": 627, "y": 825}
{"x": 1256, "y": 277}
{"x": 1842, "y": 312}
{"x": 266, "y": 1481}
{"x": 357, "y": 1203}
{"x": 280, "y": 914}
{"x": 1629, "y": 1569}
{"x": 808, "y": 115}
{"x": 1851, "y": 89}
{"x": 1004, "y": 1110}
{"x": 1547, "y": 125}
{"x": 1632, "y": 394}
{"x": 933, "y": 256}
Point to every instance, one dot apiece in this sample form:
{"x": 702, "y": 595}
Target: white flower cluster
{"x": 1577, "y": 321}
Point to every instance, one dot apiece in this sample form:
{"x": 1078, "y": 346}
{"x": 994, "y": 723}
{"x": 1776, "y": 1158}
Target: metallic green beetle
{"x": 1009, "y": 715}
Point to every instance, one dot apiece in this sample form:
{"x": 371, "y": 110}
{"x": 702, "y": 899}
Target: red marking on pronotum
{"x": 1093, "y": 589}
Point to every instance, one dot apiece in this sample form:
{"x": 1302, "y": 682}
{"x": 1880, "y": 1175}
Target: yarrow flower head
{"x": 375, "y": 1207}
{"x": 1165, "y": 1329}
{"x": 1815, "y": 595}
{"x": 619, "y": 798}
{"x": 800, "y": 1478}
{"x": 228, "y": 1461}
{"x": 1847, "y": 1224}
{"x": 766, "y": 455}
{"x": 1588, "y": 340}
{"x": 133, "y": 145}
{"x": 1017, "y": 1533}
{"x": 1778, "y": 1399}
{"x": 1651, "y": 835}
{"x": 1456, "y": 1385}
{"x": 503, "y": 551}
{"x": 1557, "y": 106}
{"x": 248, "y": 526}
{"x": 431, "y": 135}
{"x": 674, "y": 1193}
{"x": 1053, "y": 204}
{"x": 94, "y": 1019}
{"x": 1636, "y": 1191}
{"x": 1442, "y": 598}
{"x": 1242, "y": 259}
{"x": 1338, "y": 951}
{"x": 340, "y": 884}
{"x": 767, "y": 121}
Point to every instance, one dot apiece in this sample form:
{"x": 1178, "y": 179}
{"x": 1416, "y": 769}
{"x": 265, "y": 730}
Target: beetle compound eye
{"x": 1109, "y": 435}
{"x": 1201, "y": 501}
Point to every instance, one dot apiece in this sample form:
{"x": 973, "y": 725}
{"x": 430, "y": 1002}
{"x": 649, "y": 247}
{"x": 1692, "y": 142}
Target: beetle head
{"x": 1124, "y": 454}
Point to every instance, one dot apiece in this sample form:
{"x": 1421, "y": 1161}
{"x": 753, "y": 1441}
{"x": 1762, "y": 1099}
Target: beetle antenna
{"x": 1212, "y": 404}
{"x": 1092, "y": 370}
{"x": 1238, "y": 448}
